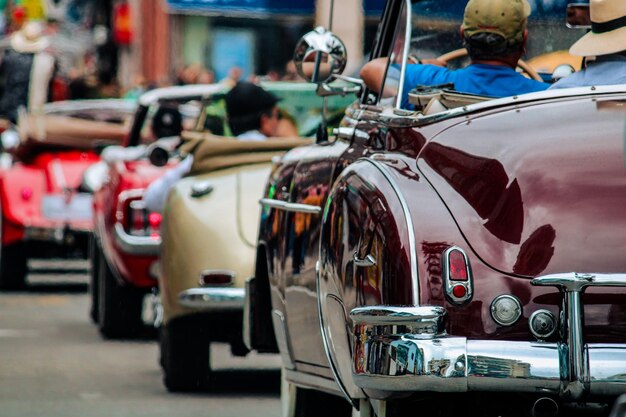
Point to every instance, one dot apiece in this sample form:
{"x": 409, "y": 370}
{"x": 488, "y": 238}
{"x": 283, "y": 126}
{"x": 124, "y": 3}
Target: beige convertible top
{"x": 68, "y": 131}
{"x": 212, "y": 152}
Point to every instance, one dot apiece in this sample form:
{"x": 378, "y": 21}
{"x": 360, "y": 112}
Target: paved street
{"x": 54, "y": 363}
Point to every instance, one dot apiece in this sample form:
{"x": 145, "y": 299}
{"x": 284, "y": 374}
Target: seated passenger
{"x": 494, "y": 33}
{"x": 606, "y": 42}
{"x": 252, "y": 112}
{"x": 252, "y": 116}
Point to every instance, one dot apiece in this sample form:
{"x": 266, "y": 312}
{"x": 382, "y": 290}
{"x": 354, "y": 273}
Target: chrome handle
{"x": 291, "y": 207}
{"x": 365, "y": 262}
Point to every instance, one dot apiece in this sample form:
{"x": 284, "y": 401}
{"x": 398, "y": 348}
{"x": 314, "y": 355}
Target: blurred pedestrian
{"x": 26, "y": 71}
{"x": 233, "y": 77}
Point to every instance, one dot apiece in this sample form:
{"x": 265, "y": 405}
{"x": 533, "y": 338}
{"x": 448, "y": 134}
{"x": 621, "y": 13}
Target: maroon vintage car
{"x": 126, "y": 239}
{"x": 46, "y": 208}
{"x": 466, "y": 258}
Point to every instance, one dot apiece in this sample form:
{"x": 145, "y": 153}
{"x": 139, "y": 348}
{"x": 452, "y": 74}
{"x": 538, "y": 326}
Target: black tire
{"x": 13, "y": 267}
{"x": 185, "y": 356}
{"x": 119, "y": 307}
{"x": 94, "y": 256}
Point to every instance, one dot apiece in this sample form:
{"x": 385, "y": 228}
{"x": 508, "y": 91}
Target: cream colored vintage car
{"x": 208, "y": 250}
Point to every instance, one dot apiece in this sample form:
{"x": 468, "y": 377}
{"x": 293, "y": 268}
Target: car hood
{"x": 539, "y": 188}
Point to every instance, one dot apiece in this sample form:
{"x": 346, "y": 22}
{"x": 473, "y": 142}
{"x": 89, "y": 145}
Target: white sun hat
{"x": 608, "y": 29}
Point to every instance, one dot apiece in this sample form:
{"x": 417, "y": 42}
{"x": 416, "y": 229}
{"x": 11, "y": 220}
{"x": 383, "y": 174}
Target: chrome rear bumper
{"x": 400, "y": 349}
{"x": 136, "y": 245}
{"x": 215, "y": 298}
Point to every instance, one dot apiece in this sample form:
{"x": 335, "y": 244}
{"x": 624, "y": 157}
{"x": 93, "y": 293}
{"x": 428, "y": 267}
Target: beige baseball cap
{"x": 608, "y": 29}
{"x": 507, "y": 18}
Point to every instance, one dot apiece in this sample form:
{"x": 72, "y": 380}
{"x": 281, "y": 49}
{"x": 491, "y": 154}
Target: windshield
{"x": 434, "y": 32}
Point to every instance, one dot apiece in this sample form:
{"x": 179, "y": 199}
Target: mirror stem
{"x": 322, "y": 130}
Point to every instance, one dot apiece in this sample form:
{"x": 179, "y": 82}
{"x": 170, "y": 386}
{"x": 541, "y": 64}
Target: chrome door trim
{"x": 290, "y": 207}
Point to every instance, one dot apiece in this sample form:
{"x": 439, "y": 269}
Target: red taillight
{"x": 154, "y": 219}
{"x": 457, "y": 276}
{"x": 458, "y": 267}
{"x": 459, "y": 291}
{"x": 216, "y": 278}
{"x": 135, "y": 217}
{"x": 27, "y": 193}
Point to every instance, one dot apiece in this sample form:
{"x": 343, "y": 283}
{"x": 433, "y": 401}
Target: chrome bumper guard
{"x": 215, "y": 298}
{"x": 136, "y": 245}
{"x": 51, "y": 234}
{"x": 399, "y": 349}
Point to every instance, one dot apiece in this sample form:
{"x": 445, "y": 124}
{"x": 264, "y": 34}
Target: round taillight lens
{"x": 506, "y": 310}
{"x": 459, "y": 291}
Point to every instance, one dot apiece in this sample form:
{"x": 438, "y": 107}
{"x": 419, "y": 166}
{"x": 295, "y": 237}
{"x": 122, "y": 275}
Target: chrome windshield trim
{"x": 405, "y": 54}
{"x": 290, "y": 207}
{"x": 136, "y": 245}
{"x": 219, "y": 298}
{"x": 409, "y": 224}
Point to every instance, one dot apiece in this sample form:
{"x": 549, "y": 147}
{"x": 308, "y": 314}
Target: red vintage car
{"x": 124, "y": 251}
{"x": 46, "y": 210}
{"x": 464, "y": 258}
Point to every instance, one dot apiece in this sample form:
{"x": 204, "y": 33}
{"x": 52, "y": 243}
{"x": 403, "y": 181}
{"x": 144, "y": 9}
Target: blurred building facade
{"x": 151, "y": 40}
{"x": 256, "y": 36}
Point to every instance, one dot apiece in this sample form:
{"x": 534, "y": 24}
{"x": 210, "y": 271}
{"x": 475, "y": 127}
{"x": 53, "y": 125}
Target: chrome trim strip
{"x": 57, "y": 169}
{"x": 290, "y": 207}
{"x": 219, "y": 299}
{"x": 136, "y": 245}
{"x": 282, "y": 340}
{"x": 331, "y": 364}
{"x": 409, "y": 224}
{"x": 311, "y": 381}
{"x": 247, "y": 312}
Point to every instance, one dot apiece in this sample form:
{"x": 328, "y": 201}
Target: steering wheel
{"x": 460, "y": 53}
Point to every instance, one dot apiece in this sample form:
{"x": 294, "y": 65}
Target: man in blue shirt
{"x": 494, "y": 33}
{"x": 606, "y": 42}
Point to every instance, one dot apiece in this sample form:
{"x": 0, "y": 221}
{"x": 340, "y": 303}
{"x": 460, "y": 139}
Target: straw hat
{"x": 29, "y": 39}
{"x": 608, "y": 29}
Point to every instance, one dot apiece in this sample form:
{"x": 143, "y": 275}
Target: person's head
{"x": 608, "y": 30}
{"x": 250, "y": 107}
{"x": 30, "y": 38}
{"x": 495, "y": 29}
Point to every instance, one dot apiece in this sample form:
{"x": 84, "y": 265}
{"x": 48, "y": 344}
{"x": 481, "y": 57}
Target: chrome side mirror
{"x": 320, "y": 56}
{"x": 578, "y": 16}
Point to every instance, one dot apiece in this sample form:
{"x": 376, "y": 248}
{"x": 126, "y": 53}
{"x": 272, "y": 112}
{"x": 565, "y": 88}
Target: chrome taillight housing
{"x": 134, "y": 217}
{"x": 457, "y": 276}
